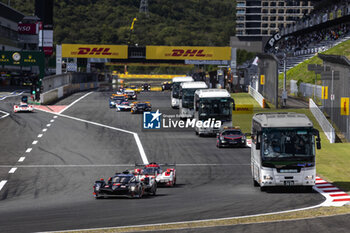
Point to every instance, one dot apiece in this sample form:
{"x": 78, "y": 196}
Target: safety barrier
{"x": 322, "y": 121}
{"x": 55, "y": 94}
{"x": 257, "y": 96}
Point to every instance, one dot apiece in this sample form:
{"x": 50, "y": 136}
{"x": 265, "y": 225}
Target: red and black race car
{"x": 124, "y": 184}
{"x": 230, "y": 136}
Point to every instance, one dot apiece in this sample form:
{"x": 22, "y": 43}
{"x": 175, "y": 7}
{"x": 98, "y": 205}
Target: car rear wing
{"x": 160, "y": 164}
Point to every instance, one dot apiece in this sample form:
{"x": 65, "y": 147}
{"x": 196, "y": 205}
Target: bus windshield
{"x": 176, "y": 90}
{"x": 218, "y": 108}
{"x": 287, "y": 144}
{"x": 187, "y": 97}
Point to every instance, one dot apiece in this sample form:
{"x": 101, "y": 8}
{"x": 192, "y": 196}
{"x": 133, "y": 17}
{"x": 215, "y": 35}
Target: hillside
{"x": 181, "y": 22}
{"x": 300, "y": 72}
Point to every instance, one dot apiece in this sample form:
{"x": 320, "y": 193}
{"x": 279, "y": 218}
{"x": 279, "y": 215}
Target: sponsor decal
{"x": 95, "y": 51}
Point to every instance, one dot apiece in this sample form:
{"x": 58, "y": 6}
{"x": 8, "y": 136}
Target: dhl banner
{"x": 188, "y": 53}
{"x": 243, "y": 109}
{"x": 344, "y": 106}
{"x": 95, "y": 51}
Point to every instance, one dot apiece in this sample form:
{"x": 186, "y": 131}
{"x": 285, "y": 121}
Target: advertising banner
{"x": 27, "y": 28}
{"x": 95, "y": 51}
{"x": 188, "y": 53}
{"x": 344, "y": 106}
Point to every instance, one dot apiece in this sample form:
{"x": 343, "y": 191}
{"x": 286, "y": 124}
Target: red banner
{"x": 27, "y": 28}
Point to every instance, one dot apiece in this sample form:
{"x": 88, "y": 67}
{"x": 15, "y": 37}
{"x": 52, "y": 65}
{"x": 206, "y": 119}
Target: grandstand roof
{"x": 9, "y": 13}
{"x": 335, "y": 59}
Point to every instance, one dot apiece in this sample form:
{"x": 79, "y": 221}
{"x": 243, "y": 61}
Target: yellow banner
{"x": 262, "y": 79}
{"x": 339, "y": 13}
{"x": 243, "y": 109}
{"x": 188, "y": 53}
{"x": 95, "y": 51}
{"x": 344, "y": 106}
{"x": 325, "y": 92}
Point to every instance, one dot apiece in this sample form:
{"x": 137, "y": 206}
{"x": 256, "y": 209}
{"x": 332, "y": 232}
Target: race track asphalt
{"x": 52, "y": 188}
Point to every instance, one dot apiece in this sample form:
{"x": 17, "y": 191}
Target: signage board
{"x": 95, "y": 51}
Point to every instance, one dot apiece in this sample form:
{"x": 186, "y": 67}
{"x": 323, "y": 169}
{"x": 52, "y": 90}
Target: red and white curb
{"x": 334, "y": 196}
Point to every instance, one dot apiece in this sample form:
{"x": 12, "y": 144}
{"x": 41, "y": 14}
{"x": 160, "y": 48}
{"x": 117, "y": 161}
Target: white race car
{"x": 166, "y": 177}
{"x": 122, "y": 106}
{"x": 23, "y": 107}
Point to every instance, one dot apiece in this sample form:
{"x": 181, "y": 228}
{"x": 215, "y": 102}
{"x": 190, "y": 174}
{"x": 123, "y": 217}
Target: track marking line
{"x": 35, "y": 142}
{"x": 29, "y": 150}
{"x": 2, "y": 184}
{"x": 105, "y": 165}
{"x": 6, "y": 114}
{"x": 40, "y": 135}
{"x": 44, "y": 130}
{"x": 21, "y": 159}
{"x": 74, "y": 102}
{"x": 48, "y": 125}
{"x": 52, "y": 121}
{"x": 13, "y": 170}
{"x": 136, "y": 137}
{"x": 55, "y": 117}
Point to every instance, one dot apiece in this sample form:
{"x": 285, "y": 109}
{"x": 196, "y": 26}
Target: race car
{"x": 23, "y": 107}
{"x": 135, "y": 88}
{"x": 116, "y": 98}
{"x": 230, "y": 136}
{"x": 165, "y": 177}
{"x": 123, "y": 184}
{"x": 140, "y": 107}
{"x": 166, "y": 86}
{"x": 122, "y": 106}
{"x": 146, "y": 87}
{"x": 131, "y": 94}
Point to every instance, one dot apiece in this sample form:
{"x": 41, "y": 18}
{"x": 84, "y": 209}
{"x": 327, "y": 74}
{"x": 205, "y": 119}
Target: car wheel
{"x": 155, "y": 190}
{"x": 140, "y": 193}
{"x": 174, "y": 181}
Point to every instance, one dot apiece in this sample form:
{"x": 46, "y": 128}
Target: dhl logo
{"x": 93, "y": 51}
{"x": 188, "y": 53}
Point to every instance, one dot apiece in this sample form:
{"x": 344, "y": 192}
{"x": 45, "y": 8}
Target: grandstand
{"x": 317, "y": 32}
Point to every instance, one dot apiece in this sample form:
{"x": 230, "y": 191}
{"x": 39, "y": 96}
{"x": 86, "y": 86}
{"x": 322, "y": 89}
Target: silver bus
{"x": 175, "y": 91}
{"x": 212, "y": 104}
{"x": 187, "y": 90}
{"x": 283, "y": 150}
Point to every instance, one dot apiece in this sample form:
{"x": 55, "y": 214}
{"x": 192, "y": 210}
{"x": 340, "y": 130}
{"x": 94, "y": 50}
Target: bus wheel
{"x": 256, "y": 184}
{"x": 196, "y": 133}
{"x": 263, "y": 189}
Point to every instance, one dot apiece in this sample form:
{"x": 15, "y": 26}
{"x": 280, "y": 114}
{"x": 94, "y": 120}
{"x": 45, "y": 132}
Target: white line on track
{"x": 75, "y": 102}
{"x": 13, "y": 170}
{"x": 21, "y": 159}
{"x": 107, "y": 165}
{"x": 35, "y": 142}
{"x": 40, "y": 135}
{"x": 52, "y": 121}
{"x": 48, "y": 125}
{"x": 2, "y": 184}
{"x": 55, "y": 117}
{"x": 44, "y": 130}
{"x": 28, "y": 150}
{"x": 6, "y": 114}
{"x": 136, "y": 137}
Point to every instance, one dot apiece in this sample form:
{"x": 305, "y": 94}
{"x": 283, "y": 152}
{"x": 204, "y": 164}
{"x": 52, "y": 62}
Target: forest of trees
{"x": 169, "y": 22}
{"x": 181, "y": 22}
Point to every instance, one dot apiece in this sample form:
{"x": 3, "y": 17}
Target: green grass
{"x": 300, "y": 72}
{"x": 332, "y": 160}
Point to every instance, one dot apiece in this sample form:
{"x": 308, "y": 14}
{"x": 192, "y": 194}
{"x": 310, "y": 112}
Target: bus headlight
{"x": 268, "y": 177}
{"x": 309, "y": 177}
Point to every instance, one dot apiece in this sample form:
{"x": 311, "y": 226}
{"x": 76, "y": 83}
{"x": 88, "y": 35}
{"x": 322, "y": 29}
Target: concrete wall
{"x": 66, "y": 90}
{"x": 56, "y": 81}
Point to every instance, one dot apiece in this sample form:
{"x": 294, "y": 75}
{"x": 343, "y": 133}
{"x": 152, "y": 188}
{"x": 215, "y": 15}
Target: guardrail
{"x": 257, "y": 96}
{"x": 322, "y": 121}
